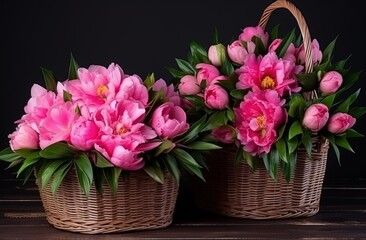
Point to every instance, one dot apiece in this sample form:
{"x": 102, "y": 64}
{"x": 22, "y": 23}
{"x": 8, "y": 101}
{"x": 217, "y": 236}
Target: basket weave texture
{"x": 237, "y": 191}
{"x": 139, "y": 204}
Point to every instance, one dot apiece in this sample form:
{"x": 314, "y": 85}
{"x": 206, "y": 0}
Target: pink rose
{"x": 169, "y": 121}
{"x": 316, "y": 116}
{"x": 249, "y": 32}
{"x": 206, "y": 72}
{"x": 216, "y": 97}
{"x": 225, "y": 134}
{"x": 84, "y": 134}
{"x": 331, "y": 82}
{"x": 217, "y": 54}
{"x": 316, "y": 53}
{"x": 188, "y": 85}
{"x": 24, "y": 137}
{"x": 257, "y": 119}
{"x": 340, "y": 122}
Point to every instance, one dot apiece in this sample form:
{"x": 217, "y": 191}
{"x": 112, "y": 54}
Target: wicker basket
{"x": 140, "y": 203}
{"x": 237, "y": 191}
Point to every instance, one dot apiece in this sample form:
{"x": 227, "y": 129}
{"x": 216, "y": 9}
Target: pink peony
{"x": 317, "y": 55}
{"x": 237, "y": 53}
{"x": 269, "y": 72}
{"x": 56, "y": 126}
{"x": 340, "y": 122}
{"x": 331, "y": 82}
{"x": 84, "y": 134}
{"x": 206, "y": 72}
{"x": 188, "y": 85}
{"x": 316, "y": 116}
{"x": 169, "y": 121}
{"x": 249, "y": 32}
{"x": 216, "y": 97}
{"x": 257, "y": 120}
{"x": 132, "y": 88}
{"x": 24, "y": 137}
{"x": 168, "y": 91}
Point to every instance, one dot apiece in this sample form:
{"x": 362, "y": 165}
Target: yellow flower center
{"x": 260, "y": 121}
{"x": 102, "y": 91}
{"x": 122, "y": 130}
{"x": 268, "y": 83}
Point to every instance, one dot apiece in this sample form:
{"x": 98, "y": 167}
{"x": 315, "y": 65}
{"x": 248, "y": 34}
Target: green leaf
{"x": 84, "y": 171}
{"x": 271, "y": 162}
{"x": 175, "y": 73}
{"x": 216, "y": 37}
{"x": 199, "y": 52}
{"x": 199, "y": 158}
{"x": 308, "y": 81}
{"x": 192, "y": 169}
{"x": 59, "y": 175}
{"x": 335, "y": 148}
{"x": 184, "y": 157}
{"x": 27, "y": 163}
{"x": 197, "y": 101}
{"x": 48, "y": 170}
{"x": 357, "y": 112}
{"x": 306, "y": 140}
{"x": 185, "y": 66}
{"x": 328, "y": 51}
{"x": 154, "y": 171}
{"x": 292, "y": 145}
{"x": 342, "y": 142}
{"x": 165, "y": 146}
{"x": 217, "y": 119}
{"x": 252, "y": 161}
{"x": 238, "y": 93}
{"x": 149, "y": 81}
{"x": 57, "y": 150}
{"x": 348, "y": 81}
{"x": 197, "y": 145}
{"x": 289, "y": 166}
{"x": 8, "y": 155}
{"x": 344, "y": 106}
{"x": 260, "y": 49}
{"x": 297, "y": 105}
{"x": 328, "y": 100}
{"x": 101, "y": 161}
{"x": 67, "y": 96}
{"x": 295, "y": 130}
{"x": 28, "y": 153}
{"x": 230, "y": 115}
{"x": 351, "y": 133}
{"x": 172, "y": 166}
{"x": 99, "y": 179}
{"x": 274, "y": 33}
{"x": 112, "y": 176}
{"x": 73, "y": 68}
{"x": 239, "y": 156}
{"x": 282, "y": 48}
{"x": 50, "y": 80}
{"x": 194, "y": 130}
{"x": 14, "y": 163}
{"x": 282, "y": 149}
{"x": 227, "y": 68}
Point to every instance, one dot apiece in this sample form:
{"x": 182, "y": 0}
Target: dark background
{"x": 145, "y": 37}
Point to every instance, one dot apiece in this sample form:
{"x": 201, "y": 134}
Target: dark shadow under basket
{"x": 237, "y": 191}
{"x": 140, "y": 203}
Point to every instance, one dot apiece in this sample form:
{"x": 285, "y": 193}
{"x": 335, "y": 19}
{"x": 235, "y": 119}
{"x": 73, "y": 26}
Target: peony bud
{"x": 340, "y": 122}
{"x": 216, "y": 97}
{"x": 249, "y": 32}
{"x": 84, "y": 134}
{"x": 316, "y": 53}
{"x": 24, "y": 137}
{"x": 225, "y": 134}
{"x": 237, "y": 53}
{"x": 188, "y": 85}
{"x": 316, "y": 116}
{"x": 206, "y": 72}
{"x": 217, "y": 54}
{"x": 331, "y": 82}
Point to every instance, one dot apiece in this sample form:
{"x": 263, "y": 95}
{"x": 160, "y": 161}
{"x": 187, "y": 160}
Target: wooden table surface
{"x": 342, "y": 215}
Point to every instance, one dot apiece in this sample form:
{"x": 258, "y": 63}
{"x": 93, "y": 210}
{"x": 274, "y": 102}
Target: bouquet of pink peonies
{"x": 269, "y": 95}
{"x": 104, "y": 122}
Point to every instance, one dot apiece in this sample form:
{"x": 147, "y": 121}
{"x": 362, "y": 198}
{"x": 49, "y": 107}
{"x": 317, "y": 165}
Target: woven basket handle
{"x": 301, "y": 23}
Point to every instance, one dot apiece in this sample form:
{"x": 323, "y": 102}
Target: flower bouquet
{"x": 106, "y": 149}
{"x": 275, "y": 104}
